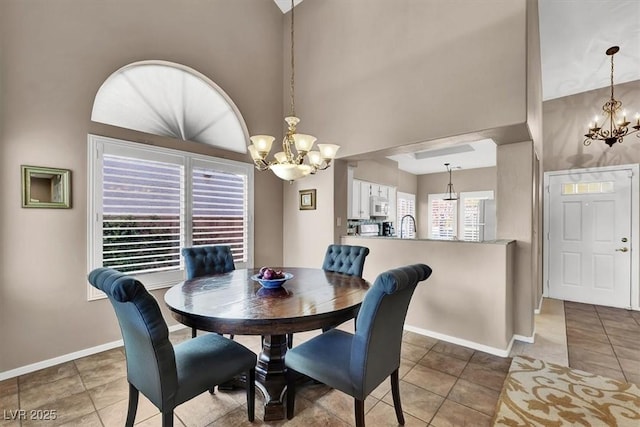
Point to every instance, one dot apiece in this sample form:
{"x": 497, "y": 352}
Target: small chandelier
{"x": 613, "y": 129}
{"x": 288, "y": 165}
{"x": 451, "y": 194}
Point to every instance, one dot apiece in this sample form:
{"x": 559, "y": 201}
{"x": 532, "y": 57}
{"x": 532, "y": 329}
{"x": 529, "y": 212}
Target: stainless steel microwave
{"x": 379, "y": 207}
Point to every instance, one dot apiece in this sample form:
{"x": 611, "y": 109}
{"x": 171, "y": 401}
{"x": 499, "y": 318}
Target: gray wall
{"x": 54, "y": 56}
{"x": 566, "y": 120}
{"x": 481, "y": 179}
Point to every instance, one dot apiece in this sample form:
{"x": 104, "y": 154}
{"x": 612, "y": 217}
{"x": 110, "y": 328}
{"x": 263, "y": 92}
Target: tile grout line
{"x": 613, "y": 348}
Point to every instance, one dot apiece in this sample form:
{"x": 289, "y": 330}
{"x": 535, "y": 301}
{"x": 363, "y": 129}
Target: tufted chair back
{"x": 151, "y": 363}
{"x": 205, "y": 260}
{"x": 357, "y": 363}
{"x": 375, "y": 350}
{"x": 345, "y": 259}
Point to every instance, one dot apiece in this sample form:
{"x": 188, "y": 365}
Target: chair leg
{"x": 289, "y": 341}
{"x": 167, "y": 419}
{"x": 359, "y": 410}
{"x": 194, "y": 332}
{"x": 395, "y": 391}
{"x": 291, "y": 392}
{"x": 251, "y": 394}
{"x": 133, "y": 405}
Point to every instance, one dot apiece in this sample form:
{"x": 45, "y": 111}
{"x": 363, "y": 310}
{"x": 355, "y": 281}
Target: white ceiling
{"x": 574, "y": 35}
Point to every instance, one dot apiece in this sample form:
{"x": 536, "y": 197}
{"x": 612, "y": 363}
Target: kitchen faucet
{"x": 402, "y": 223}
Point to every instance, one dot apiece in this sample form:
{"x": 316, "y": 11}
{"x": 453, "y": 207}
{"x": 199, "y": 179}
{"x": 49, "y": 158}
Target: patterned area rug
{"x": 537, "y": 393}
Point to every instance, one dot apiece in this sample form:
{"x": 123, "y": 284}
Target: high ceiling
{"x": 574, "y": 35}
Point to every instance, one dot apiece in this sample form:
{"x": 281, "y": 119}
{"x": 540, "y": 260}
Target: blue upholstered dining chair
{"x": 205, "y": 260}
{"x": 168, "y": 375}
{"x": 345, "y": 259}
{"x": 357, "y": 363}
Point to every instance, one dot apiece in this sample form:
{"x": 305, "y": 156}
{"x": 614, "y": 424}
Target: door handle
{"x": 622, "y": 250}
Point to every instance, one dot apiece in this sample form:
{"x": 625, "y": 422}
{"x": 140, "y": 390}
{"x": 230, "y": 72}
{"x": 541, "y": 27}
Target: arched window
{"x": 168, "y": 99}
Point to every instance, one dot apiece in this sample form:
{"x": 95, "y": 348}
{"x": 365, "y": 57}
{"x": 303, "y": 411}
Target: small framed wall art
{"x": 44, "y": 187}
{"x": 307, "y": 199}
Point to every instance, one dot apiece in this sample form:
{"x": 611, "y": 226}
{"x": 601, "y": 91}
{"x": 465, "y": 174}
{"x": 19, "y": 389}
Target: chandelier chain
{"x": 293, "y": 72}
{"x": 612, "y": 77}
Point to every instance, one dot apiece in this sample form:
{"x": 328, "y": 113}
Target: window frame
{"x": 411, "y": 200}
{"x": 96, "y": 150}
{"x": 482, "y": 195}
{"x": 441, "y": 196}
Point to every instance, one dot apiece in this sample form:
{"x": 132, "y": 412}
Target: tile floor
{"x": 442, "y": 384}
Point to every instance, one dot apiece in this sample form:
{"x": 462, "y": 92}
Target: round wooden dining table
{"x": 234, "y": 303}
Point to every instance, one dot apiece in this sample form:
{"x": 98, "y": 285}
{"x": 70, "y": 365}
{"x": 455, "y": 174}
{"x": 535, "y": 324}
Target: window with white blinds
{"x": 146, "y": 203}
{"x": 141, "y": 214}
{"x": 477, "y": 216}
{"x": 406, "y": 205}
{"x": 442, "y": 217}
{"x": 219, "y": 210}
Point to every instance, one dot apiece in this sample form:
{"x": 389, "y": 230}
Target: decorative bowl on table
{"x": 271, "y": 279}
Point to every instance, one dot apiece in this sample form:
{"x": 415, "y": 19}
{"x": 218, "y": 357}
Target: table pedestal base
{"x": 270, "y": 376}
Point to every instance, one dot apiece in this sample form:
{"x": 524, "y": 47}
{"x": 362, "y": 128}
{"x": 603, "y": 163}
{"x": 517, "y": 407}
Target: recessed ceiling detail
{"x": 472, "y": 155}
{"x": 438, "y": 152}
{"x": 172, "y": 100}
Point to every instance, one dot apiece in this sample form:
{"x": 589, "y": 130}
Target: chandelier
{"x": 613, "y": 128}
{"x": 287, "y": 164}
{"x": 451, "y": 194}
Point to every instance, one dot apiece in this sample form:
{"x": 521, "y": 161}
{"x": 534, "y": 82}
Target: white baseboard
{"x": 459, "y": 341}
{"x": 525, "y": 338}
{"x": 69, "y": 357}
{"x": 537, "y": 310}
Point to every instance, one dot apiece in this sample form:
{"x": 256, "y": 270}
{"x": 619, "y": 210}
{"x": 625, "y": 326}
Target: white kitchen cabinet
{"x": 365, "y": 197}
{"x": 359, "y": 199}
{"x": 391, "y": 196}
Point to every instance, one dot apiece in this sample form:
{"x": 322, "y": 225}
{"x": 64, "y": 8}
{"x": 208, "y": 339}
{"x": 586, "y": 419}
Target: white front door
{"x": 590, "y": 237}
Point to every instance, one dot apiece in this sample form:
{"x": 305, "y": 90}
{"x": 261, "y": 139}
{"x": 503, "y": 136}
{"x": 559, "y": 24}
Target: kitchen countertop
{"x": 486, "y": 242}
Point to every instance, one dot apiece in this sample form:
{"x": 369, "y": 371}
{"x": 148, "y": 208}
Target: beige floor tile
{"x": 100, "y": 359}
{"x": 605, "y": 371}
{"x": 66, "y": 410}
{"x": 385, "y": 386}
{"x": 452, "y": 414}
{"x": 474, "y": 396}
{"x": 443, "y": 363}
{"x": 599, "y": 336}
{"x": 312, "y": 391}
{"x": 9, "y": 386}
{"x": 416, "y": 401}
{"x": 430, "y": 379}
{"x": 206, "y": 408}
{"x": 384, "y": 415}
{"x": 45, "y": 394}
{"x": 238, "y": 418}
{"x": 630, "y": 369}
{"x": 462, "y": 353}
{"x": 412, "y": 352}
{"x": 47, "y": 375}
{"x": 491, "y": 361}
{"x": 9, "y": 410}
{"x": 626, "y": 353}
{"x": 89, "y": 420}
{"x": 109, "y": 393}
{"x": 316, "y": 416}
{"x": 419, "y": 340}
{"x": 103, "y": 373}
{"x": 115, "y": 415}
{"x": 156, "y": 421}
{"x": 342, "y": 405}
{"x": 485, "y": 377}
